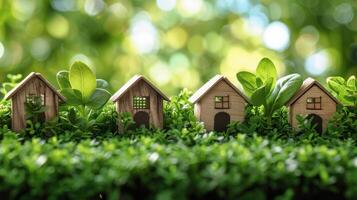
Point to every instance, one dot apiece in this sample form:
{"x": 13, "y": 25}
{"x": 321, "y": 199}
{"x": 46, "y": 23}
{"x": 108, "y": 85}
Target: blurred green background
{"x": 178, "y": 43}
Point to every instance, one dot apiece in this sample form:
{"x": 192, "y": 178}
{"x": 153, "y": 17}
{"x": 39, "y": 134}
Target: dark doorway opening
{"x": 221, "y": 121}
{"x": 317, "y": 121}
{"x": 142, "y": 118}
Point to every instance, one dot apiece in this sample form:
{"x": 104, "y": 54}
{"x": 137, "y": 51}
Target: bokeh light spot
{"x": 307, "y": 41}
{"x": 118, "y": 10}
{"x": 188, "y": 8}
{"x": 317, "y": 63}
{"x": 214, "y": 42}
{"x": 58, "y": 27}
{"x": 2, "y": 50}
{"x": 276, "y": 36}
{"x": 63, "y": 5}
{"x": 176, "y": 37}
{"x": 160, "y": 73}
{"x": 343, "y": 13}
{"x": 196, "y": 44}
{"x": 94, "y": 7}
{"x": 166, "y": 5}
{"x": 143, "y": 34}
{"x": 23, "y": 9}
{"x": 40, "y": 49}
{"x": 179, "y": 61}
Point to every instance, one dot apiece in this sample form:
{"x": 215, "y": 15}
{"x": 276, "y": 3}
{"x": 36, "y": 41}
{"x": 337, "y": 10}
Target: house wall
{"x": 125, "y": 103}
{"x": 299, "y": 107}
{"x": 205, "y": 111}
{"x": 36, "y": 87}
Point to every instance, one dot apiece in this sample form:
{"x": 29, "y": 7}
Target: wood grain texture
{"x": 35, "y": 86}
{"x": 141, "y": 88}
{"x": 205, "y": 110}
{"x": 328, "y": 106}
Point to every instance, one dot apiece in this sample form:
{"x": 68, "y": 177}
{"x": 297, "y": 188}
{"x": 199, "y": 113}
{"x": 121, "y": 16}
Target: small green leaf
{"x": 259, "y": 82}
{"x": 73, "y": 97}
{"x": 352, "y": 83}
{"x": 260, "y": 96}
{"x": 82, "y": 79}
{"x": 99, "y": 98}
{"x": 102, "y": 84}
{"x": 266, "y": 69}
{"x": 63, "y": 79}
{"x": 285, "y": 88}
{"x": 248, "y": 81}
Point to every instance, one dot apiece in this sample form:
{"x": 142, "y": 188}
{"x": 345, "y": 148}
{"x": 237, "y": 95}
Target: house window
{"x": 221, "y": 102}
{"x": 34, "y": 99}
{"x": 313, "y": 103}
{"x": 141, "y": 102}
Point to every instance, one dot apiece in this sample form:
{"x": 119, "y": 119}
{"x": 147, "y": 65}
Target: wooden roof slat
{"x": 27, "y": 79}
{"x": 307, "y": 84}
{"x": 210, "y": 84}
{"x": 135, "y": 79}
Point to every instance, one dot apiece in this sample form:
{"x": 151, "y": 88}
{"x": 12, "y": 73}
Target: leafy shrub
{"x": 265, "y": 90}
{"x": 345, "y": 91}
{"x": 343, "y": 124}
{"x": 81, "y": 88}
{"x": 7, "y": 86}
{"x": 244, "y": 168}
{"x": 257, "y": 123}
{"x": 178, "y": 113}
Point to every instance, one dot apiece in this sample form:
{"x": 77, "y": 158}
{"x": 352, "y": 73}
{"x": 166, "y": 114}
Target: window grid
{"x": 31, "y": 98}
{"x": 221, "y": 102}
{"x": 313, "y": 103}
{"x": 141, "y": 102}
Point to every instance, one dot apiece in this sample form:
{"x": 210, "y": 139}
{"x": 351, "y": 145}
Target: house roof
{"x": 135, "y": 79}
{"x": 210, "y": 84}
{"x": 307, "y": 84}
{"x": 27, "y": 79}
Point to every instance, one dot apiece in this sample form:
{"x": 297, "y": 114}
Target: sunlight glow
{"x": 40, "y": 49}
{"x": 276, "y": 36}
{"x": 317, "y": 63}
{"x": 166, "y": 5}
{"x": 189, "y": 8}
{"x": 143, "y": 34}
{"x": 94, "y": 7}
{"x": 2, "y": 50}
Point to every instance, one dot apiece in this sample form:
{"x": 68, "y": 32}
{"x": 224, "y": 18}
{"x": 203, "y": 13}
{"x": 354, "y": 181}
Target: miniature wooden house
{"x": 33, "y": 86}
{"x": 218, "y": 102}
{"x": 314, "y": 101}
{"x": 143, "y": 100}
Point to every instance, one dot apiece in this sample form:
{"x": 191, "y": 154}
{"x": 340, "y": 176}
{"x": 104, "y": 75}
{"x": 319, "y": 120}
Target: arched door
{"x": 316, "y": 120}
{"x": 221, "y": 120}
{"x": 142, "y": 118}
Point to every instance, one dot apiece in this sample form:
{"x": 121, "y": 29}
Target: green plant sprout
{"x": 81, "y": 88}
{"x": 264, "y": 89}
{"x": 35, "y": 109}
{"x": 7, "y": 86}
{"x": 345, "y": 91}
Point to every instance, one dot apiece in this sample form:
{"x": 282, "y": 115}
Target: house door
{"x": 142, "y": 118}
{"x": 317, "y": 120}
{"x": 221, "y": 120}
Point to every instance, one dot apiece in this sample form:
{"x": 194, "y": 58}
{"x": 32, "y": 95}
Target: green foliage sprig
{"x": 81, "y": 88}
{"x": 344, "y": 90}
{"x": 35, "y": 109}
{"x": 264, "y": 89}
{"x": 7, "y": 86}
